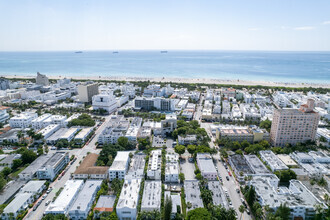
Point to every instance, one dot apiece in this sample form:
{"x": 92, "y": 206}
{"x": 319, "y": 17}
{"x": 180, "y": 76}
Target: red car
{"x": 229, "y": 173}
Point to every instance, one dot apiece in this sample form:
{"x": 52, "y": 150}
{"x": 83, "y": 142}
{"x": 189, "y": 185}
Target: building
{"x": 34, "y": 186}
{"x": 4, "y": 83}
{"x": 85, "y": 200}
{"x": 86, "y": 91}
{"x": 193, "y": 194}
{"x": 240, "y": 166}
{"x": 154, "y": 103}
{"x": 49, "y": 130}
{"x": 188, "y": 139}
{"x": 119, "y": 166}
{"x": 115, "y": 128}
{"x": 297, "y": 197}
{"x": 136, "y": 169}
{"x": 287, "y": 160}
{"x": 151, "y": 196}
{"x": 4, "y": 116}
{"x": 88, "y": 170}
{"x": 206, "y": 166}
{"x": 105, "y": 101}
{"x": 154, "y": 165}
{"x": 83, "y": 134}
{"x": 42, "y": 79}
{"x": 20, "y": 202}
{"x": 169, "y": 124}
{"x": 7, "y": 161}
{"x": 321, "y": 132}
{"x": 50, "y": 169}
{"x": 66, "y": 198}
{"x": 128, "y": 200}
{"x": 172, "y": 170}
{"x": 272, "y": 160}
{"x": 218, "y": 196}
{"x": 30, "y": 172}
{"x": 105, "y": 204}
{"x": 176, "y": 202}
{"x": 133, "y": 130}
{"x": 256, "y": 165}
{"x": 250, "y": 134}
{"x": 292, "y": 126}
{"x": 22, "y": 120}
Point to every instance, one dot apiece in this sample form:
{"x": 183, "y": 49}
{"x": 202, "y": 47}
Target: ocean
{"x": 301, "y": 67}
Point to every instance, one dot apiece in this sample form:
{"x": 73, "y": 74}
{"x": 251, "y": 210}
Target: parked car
{"x": 47, "y": 203}
{"x": 237, "y": 190}
{"x": 227, "y": 177}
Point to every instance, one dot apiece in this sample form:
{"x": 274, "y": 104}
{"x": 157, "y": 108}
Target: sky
{"x": 47, "y": 25}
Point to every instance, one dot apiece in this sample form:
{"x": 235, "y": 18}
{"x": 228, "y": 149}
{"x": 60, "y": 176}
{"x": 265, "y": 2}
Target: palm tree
{"x": 241, "y": 209}
{"x": 20, "y": 135}
{"x": 326, "y": 198}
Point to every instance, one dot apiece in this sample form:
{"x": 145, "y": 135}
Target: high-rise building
{"x": 292, "y": 126}
{"x": 42, "y": 79}
{"x": 87, "y": 90}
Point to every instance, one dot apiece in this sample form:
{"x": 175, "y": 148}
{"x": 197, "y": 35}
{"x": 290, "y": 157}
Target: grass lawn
{"x": 18, "y": 171}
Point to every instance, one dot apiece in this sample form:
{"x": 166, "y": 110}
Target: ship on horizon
{"x": 78, "y": 52}
{"x": 115, "y": 52}
{"x": 163, "y": 51}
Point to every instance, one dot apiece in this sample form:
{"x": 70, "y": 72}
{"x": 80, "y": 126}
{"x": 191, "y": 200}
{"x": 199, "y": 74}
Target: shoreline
{"x": 184, "y": 80}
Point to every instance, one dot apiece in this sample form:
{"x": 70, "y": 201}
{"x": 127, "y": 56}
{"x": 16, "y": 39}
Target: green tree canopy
{"x": 199, "y": 214}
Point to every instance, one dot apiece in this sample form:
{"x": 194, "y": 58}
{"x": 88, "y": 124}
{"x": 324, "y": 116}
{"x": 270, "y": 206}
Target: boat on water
{"x": 163, "y": 51}
{"x": 78, "y": 52}
{"x": 115, "y": 52}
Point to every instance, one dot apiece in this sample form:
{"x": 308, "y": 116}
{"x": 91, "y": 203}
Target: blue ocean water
{"x": 308, "y": 67}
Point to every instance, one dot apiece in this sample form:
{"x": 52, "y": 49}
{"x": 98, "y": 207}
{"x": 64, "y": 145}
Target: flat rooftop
{"x": 272, "y": 160}
{"x": 86, "y": 195}
{"x": 286, "y": 159}
{"x": 151, "y": 195}
{"x": 33, "y": 186}
{"x": 218, "y": 196}
{"x": 240, "y": 164}
{"x": 129, "y": 194}
{"x": 205, "y": 163}
{"x": 105, "y": 203}
{"x": 62, "y": 202}
{"x": 256, "y": 165}
{"x": 192, "y": 193}
{"x": 36, "y": 164}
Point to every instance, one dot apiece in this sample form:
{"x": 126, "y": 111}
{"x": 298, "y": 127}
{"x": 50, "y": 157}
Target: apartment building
{"x": 105, "y": 101}
{"x": 53, "y": 166}
{"x": 119, "y": 166}
{"x": 151, "y": 199}
{"x": 86, "y": 91}
{"x": 206, "y": 166}
{"x": 292, "y": 126}
{"x": 154, "y": 165}
{"x": 22, "y": 120}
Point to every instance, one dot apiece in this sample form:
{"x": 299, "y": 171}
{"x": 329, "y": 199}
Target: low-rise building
{"x": 154, "y": 165}
{"x": 188, "y": 139}
{"x": 218, "y": 196}
{"x": 287, "y": 160}
{"x": 256, "y": 165}
{"x": 83, "y": 134}
{"x": 136, "y": 169}
{"x": 176, "y": 202}
{"x": 206, "y": 166}
{"x": 50, "y": 169}
{"x": 128, "y": 200}
{"x": 151, "y": 196}
{"x": 119, "y": 166}
{"x": 88, "y": 170}
{"x": 172, "y": 170}
{"x": 22, "y": 120}
{"x": 49, "y": 130}
{"x": 193, "y": 194}
{"x": 30, "y": 172}
{"x": 4, "y": 116}
{"x": 297, "y": 197}
{"x": 66, "y": 198}
{"x": 34, "y": 186}
{"x": 105, "y": 101}
{"x": 85, "y": 199}
{"x": 240, "y": 166}
{"x": 21, "y": 202}
{"x": 272, "y": 160}
{"x": 37, "y": 123}
{"x": 8, "y": 160}
{"x": 104, "y": 204}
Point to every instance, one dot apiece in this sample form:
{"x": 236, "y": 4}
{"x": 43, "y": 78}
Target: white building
{"x": 66, "y": 199}
{"x": 53, "y": 166}
{"x": 133, "y": 129}
{"x": 172, "y": 170}
{"x": 21, "y": 202}
{"x": 128, "y": 200}
{"x": 272, "y": 160}
{"x": 151, "y": 196}
{"x": 105, "y": 101}
{"x": 3, "y": 114}
{"x": 85, "y": 200}
{"x": 119, "y": 166}
{"x": 154, "y": 165}
{"x": 206, "y": 166}
{"x": 38, "y": 123}
{"x": 22, "y": 120}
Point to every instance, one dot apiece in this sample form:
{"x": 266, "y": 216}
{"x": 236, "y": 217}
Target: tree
{"x": 116, "y": 185}
{"x": 180, "y": 149}
{"x": 283, "y": 212}
{"x": 144, "y": 143}
{"x": 20, "y": 135}
{"x": 28, "y": 156}
{"x": 153, "y": 215}
{"x": 2, "y": 182}
{"x": 198, "y": 214}
{"x": 181, "y": 177}
{"x": 267, "y": 124}
{"x": 285, "y": 175}
{"x": 206, "y": 195}
{"x": 191, "y": 149}
{"x": 250, "y": 195}
{"x": 245, "y": 144}
{"x": 241, "y": 209}
{"x": 16, "y": 163}
{"x": 123, "y": 142}
{"x": 167, "y": 208}
{"x": 6, "y": 171}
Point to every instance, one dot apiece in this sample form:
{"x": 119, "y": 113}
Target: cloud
{"x": 326, "y": 22}
{"x": 304, "y": 28}
{"x": 254, "y": 29}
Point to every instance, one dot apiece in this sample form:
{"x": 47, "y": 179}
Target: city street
{"x": 57, "y": 184}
